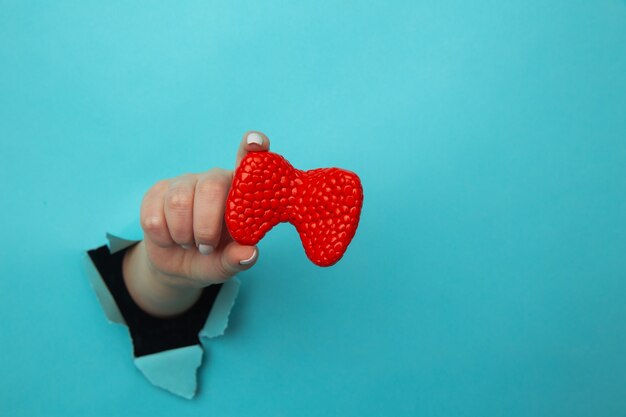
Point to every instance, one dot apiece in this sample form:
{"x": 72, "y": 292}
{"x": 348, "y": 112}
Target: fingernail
{"x": 186, "y": 247}
{"x": 206, "y": 249}
{"x": 249, "y": 260}
{"x": 254, "y": 138}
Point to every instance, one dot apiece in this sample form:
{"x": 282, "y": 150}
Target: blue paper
{"x": 217, "y": 322}
{"x": 173, "y": 370}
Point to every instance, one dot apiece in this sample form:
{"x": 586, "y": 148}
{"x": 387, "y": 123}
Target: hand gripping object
{"x": 323, "y": 204}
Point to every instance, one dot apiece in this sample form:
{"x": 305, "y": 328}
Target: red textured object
{"x": 323, "y": 204}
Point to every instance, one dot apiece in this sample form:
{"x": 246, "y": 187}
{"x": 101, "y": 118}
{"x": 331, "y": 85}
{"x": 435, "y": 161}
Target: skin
{"x": 166, "y": 272}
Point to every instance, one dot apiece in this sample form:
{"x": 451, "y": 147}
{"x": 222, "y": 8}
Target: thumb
{"x": 235, "y": 258}
{"x": 252, "y": 141}
{"x": 222, "y": 264}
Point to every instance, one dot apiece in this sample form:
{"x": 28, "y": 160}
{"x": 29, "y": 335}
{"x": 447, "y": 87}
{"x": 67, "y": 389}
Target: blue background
{"x": 488, "y": 275}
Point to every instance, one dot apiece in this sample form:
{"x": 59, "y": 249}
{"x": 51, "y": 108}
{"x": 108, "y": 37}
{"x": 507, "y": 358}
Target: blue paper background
{"x": 488, "y": 275}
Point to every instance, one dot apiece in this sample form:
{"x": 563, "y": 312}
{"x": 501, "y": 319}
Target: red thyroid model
{"x": 323, "y": 204}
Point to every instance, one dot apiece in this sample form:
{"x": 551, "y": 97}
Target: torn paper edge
{"x": 106, "y": 300}
{"x": 152, "y": 366}
{"x": 117, "y": 243}
{"x": 217, "y": 322}
{"x": 131, "y": 231}
{"x": 174, "y": 370}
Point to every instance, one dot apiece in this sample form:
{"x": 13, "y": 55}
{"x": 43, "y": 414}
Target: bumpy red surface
{"x": 323, "y": 204}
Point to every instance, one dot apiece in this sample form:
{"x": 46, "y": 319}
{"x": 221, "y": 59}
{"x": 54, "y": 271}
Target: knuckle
{"x": 213, "y": 188}
{"x": 161, "y": 185}
{"x": 179, "y": 199}
{"x": 152, "y": 224}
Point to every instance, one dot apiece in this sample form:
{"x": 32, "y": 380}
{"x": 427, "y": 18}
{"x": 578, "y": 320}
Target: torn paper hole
{"x": 174, "y": 370}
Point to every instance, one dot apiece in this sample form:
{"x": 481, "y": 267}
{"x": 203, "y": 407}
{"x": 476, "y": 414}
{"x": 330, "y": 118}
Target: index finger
{"x": 252, "y": 141}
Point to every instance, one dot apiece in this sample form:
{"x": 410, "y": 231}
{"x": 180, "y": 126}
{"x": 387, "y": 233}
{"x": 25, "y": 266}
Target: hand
{"x": 186, "y": 244}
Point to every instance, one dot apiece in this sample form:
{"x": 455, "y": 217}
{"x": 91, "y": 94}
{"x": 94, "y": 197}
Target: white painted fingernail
{"x": 254, "y": 138}
{"x": 206, "y": 249}
{"x": 249, "y": 260}
{"x": 186, "y": 247}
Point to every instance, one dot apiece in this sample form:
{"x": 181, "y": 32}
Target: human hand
{"x": 186, "y": 245}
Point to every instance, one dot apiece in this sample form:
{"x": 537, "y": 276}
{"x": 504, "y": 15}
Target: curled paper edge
{"x": 173, "y": 370}
{"x": 217, "y": 322}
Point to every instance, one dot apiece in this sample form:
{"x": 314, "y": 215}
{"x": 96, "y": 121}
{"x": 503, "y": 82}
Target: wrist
{"x": 153, "y": 291}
